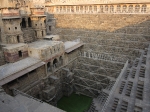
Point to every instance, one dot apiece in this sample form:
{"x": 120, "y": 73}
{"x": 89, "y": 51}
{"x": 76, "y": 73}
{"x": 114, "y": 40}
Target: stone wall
{"x": 121, "y": 23}
{"x": 121, "y": 35}
{"x": 15, "y": 52}
{"x": 111, "y": 38}
{"x": 26, "y": 82}
{"x": 2, "y": 59}
{"x": 28, "y": 35}
{"x": 107, "y": 25}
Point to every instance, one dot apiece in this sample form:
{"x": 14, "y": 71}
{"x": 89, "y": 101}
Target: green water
{"x": 74, "y": 103}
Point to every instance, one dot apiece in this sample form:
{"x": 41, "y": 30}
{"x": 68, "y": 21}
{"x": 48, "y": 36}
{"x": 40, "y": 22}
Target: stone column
{"x": 21, "y": 38}
{"x": 44, "y": 33}
{"x": 26, "y": 19}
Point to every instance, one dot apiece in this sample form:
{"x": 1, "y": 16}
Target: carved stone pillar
{"x": 26, "y": 19}
{"x": 21, "y": 38}
{"x": 44, "y": 33}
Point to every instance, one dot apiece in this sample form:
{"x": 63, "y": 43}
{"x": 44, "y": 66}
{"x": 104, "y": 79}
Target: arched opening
{"x": 55, "y": 63}
{"x": 124, "y": 8}
{"x": 42, "y": 33}
{"x": 130, "y": 9}
{"x": 61, "y": 60}
{"x": 50, "y": 28}
{"x": 18, "y": 40}
{"x": 60, "y": 9}
{"x": 77, "y": 8}
{"x": 20, "y": 54}
{"x": 90, "y": 8}
{"x": 106, "y": 8}
{"x": 29, "y": 22}
{"x": 118, "y": 8}
{"x": 144, "y": 7}
{"x": 68, "y": 8}
{"x": 49, "y": 67}
{"x": 137, "y": 8}
{"x": 101, "y": 9}
{"x": 23, "y": 23}
{"x": 72, "y": 9}
{"x": 111, "y": 8}
{"x": 81, "y": 8}
{"x": 95, "y": 8}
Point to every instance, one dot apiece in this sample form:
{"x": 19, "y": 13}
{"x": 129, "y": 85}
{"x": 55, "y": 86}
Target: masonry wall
{"x": 2, "y": 59}
{"x": 27, "y": 81}
{"x": 28, "y": 35}
{"x": 71, "y": 26}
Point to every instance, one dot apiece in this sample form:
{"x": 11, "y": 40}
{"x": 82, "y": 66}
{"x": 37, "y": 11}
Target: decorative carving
{"x": 132, "y": 8}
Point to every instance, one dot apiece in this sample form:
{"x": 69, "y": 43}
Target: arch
{"x": 137, "y": 8}
{"x": 77, "y": 8}
{"x": 90, "y": 8}
{"x": 23, "y": 23}
{"x": 64, "y": 8}
{"x": 143, "y": 9}
{"x": 95, "y": 8}
{"x": 61, "y": 8}
{"x": 68, "y": 8}
{"x": 130, "y": 9}
{"x": 55, "y": 63}
{"x": 124, "y": 8}
{"x": 81, "y": 8}
{"x": 72, "y": 8}
{"x": 106, "y": 7}
{"x": 42, "y": 33}
{"x": 20, "y": 53}
{"x": 57, "y": 9}
{"x": 49, "y": 67}
{"x": 118, "y": 8}
{"x": 101, "y": 9}
{"x": 86, "y": 8}
{"x": 111, "y": 8}
{"x": 29, "y": 22}
{"x": 61, "y": 60}
{"x": 18, "y": 39}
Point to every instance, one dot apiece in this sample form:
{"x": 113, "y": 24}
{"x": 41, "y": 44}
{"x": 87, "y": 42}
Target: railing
{"x": 102, "y": 9}
{"x": 56, "y": 2}
{"x": 114, "y": 87}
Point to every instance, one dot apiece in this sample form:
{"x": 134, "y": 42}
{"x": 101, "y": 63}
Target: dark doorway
{"x": 42, "y": 33}
{"x": 23, "y": 23}
{"x": 61, "y": 61}
{"x": 20, "y": 53}
{"x": 50, "y": 28}
{"x": 18, "y": 39}
{"x": 29, "y": 22}
{"x": 48, "y": 67}
{"x": 55, "y": 63}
